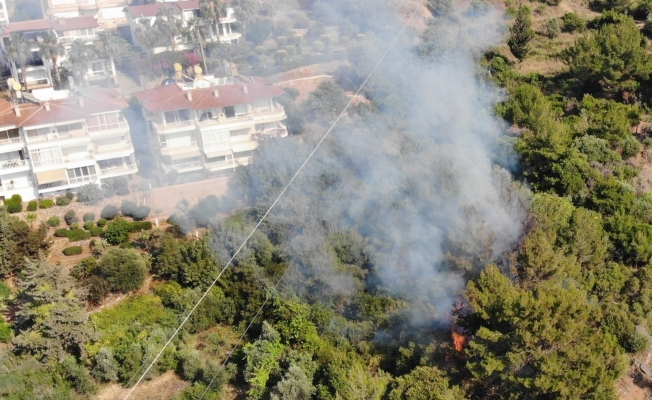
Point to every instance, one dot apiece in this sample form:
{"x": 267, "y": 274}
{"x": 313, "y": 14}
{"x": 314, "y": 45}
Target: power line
{"x": 246, "y": 330}
{"x": 296, "y": 174}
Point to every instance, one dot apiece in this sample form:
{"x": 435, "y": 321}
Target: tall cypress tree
{"x": 521, "y": 33}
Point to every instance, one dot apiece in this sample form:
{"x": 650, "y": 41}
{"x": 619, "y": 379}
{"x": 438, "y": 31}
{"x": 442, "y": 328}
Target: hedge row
{"x": 140, "y": 226}
{"x": 72, "y": 250}
{"x": 73, "y": 235}
{"x": 14, "y": 204}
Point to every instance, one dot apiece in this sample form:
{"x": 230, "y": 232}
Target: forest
{"x": 470, "y": 229}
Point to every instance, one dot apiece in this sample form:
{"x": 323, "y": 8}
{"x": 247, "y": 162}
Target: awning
{"x": 186, "y": 154}
{"x": 51, "y": 176}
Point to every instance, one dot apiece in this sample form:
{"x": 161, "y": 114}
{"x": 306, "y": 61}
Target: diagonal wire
{"x": 269, "y": 210}
{"x": 226, "y": 360}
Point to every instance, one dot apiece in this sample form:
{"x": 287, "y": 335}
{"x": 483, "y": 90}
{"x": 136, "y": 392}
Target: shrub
{"x": 90, "y": 194}
{"x": 297, "y": 40}
{"x": 97, "y": 288}
{"x": 345, "y": 40}
{"x": 141, "y": 226}
{"x": 117, "y": 231}
{"x": 74, "y": 226}
{"x": 281, "y": 54}
{"x": 126, "y": 245}
{"x": 61, "y": 232}
{"x": 88, "y": 225}
{"x": 85, "y": 268}
{"x": 96, "y": 231}
{"x": 124, "y": 269}
{"x": 128, "y": 208}
{"x": 291, "y": 50}
{"x": 70, "y": 196}
{"x": 88, "y": 217}
{"x": 573, "y": 22}
{"x": 77, "y": 235}
{"x": 5, "y": 332}
{"x": 101, "y": 222}
{"x": 32, "y": 205}
{"x": 17, "y": 198}
{"x": 70, "y": 217}
{"x": 259, "y": 49}
{"x": 63, "y": 201}
{"x": 46, "y": 203}
{"x": 281, "y": 41}
{"x": 361, "y": 37}
{"x": 54, "y": 221}
{"x": 72, "y": 250}
{"x": 13, "y": 208}
{"x": 552, "y": 28}
{"x": 109, "y": 212}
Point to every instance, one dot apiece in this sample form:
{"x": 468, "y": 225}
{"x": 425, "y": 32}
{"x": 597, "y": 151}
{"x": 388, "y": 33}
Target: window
{"x": 104, "y": 121}
{"x": 240, "y": 109}
{"x": 241, "y": 132}
{"x": 97, "y": 67}
{"x": 47, "y": 156}
{"x": 70, "y": 127}
{"x": 81, "y": 172}
{"x": 229, "y": 112}
{"x": 262, "y": 105}
{"x": 173, "y": 117}
{"x": 219, "y": 138}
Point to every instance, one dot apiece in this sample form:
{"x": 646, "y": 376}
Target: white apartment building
{"x": 108, "y": 13}
{"x": 4, "y": 15}
{"x": 67, "y": 30}
{"x": 56, "y": 141}
{"x": 204, "y": 125}
{"x": 184, "y": 10}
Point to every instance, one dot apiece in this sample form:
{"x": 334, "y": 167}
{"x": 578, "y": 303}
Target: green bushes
{"x": 101, "y": 222}
{"x": 77, "y": 235}
{"x": 63, "y": 201}
{"x": 70, "y": 217}
{"x": 573, "y": 22}
{"x": 54, "y": 221}
{"x": 109, "y": 212}
{"x": 46, "y": 203}
{"x": 96, "y": 231}
{"x": 32, "y": 205}
{"x": 74, "y": 226}
{"x": 124, "y": 269}
{"x": 72, "y": 250}
{"x": 14, "y": 204}
{"x": 88, "y": 217}
{"x": 117, "y": 231}
{"x": 138, "y": 226}
{"x": 63, "y": 232}
{"x": 88, "y": 225}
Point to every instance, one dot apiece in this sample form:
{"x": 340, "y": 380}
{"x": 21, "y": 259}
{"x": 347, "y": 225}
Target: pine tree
{"x": 521, "y": 33}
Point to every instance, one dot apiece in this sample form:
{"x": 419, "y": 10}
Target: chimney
{"x": 80, "y": 101}
{"x": 245, "y": 89}
{"x": 189, "y": 95}
{"x": 216, "y": 93}
{"x": 17, "y": 110}
{"x": 47, "y": 106}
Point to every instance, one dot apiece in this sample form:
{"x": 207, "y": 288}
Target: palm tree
{"x": 19, "y": 52}
{"x": 169, "y": 23}
{"x": 213, "y": 11}
{"x": 196, "y": 30}
{"x": 109, "y": 46}
{"x": 79, "y": 54}
{"x": 147, "y": 35}
{"x": 50, "y": 48}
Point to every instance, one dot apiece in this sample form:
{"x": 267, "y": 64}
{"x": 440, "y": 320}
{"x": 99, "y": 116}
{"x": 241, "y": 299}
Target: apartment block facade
{"x": 38, "y": 70}
{"x": 108, "y": 13}
{"x": 58, "y": 141}
{"x": 203, "y": 125}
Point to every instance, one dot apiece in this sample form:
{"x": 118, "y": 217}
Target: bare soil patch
{"x": 162, "y": 387}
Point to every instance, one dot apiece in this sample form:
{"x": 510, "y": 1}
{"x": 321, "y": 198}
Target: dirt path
{"x": 162, "y": 387}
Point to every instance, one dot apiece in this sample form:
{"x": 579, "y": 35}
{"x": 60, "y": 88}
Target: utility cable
{"x": 269, "y": 210}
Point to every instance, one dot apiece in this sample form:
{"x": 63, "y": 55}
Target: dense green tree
{"x": 295, "y": 385}
{"x": 117, "y": 231}
{"x": 521, "y": 33}
{"x": 614, "y": 60}
{"x": 425, "y": 383}
{"x": 51, "y": 319}
{"x": 124, "y": 269}
{"x": 262, "y": 357}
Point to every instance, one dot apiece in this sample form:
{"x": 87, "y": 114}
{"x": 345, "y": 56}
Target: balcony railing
{"x": 82, "y": 179}
{"x": 64, "y": 160}
{"x": 12, "y": 140}
{"x": 9, "y": 164}
{"x": 57, "y": 136}
{"x": 183, "y": 166}
{"x": 186, "y": 148}
{"x": 112, "y": 148}
{"x": 14, "y": 186}
{"x": 117, "y": 170}
{"x": 173, "y": 125}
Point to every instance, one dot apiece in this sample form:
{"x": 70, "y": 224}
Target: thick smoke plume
{"x": 417, "y": 176}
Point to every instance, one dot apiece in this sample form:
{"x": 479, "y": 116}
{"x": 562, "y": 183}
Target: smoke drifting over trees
{"x": 408, "y": 181}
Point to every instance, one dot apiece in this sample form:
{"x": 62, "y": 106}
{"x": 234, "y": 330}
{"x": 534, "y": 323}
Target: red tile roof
{"x": 172, "y": 97}
{"x": 188, "y": 5}
{"x": 60, "y": 24}
{"x": 60, "y": 110}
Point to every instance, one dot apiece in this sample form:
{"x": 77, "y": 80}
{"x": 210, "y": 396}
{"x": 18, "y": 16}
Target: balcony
{"x": 11, "y": 144}
{"x": 110, "y": 172}
{"x": 220, "y": 165}
{"x": 118, "y": 128}
{"x": 174, "y": 127}
{"x": 228, "y": 38}
{"x": 57, "y": 136}
{"x": 66, "y": 184}
{"x": 183, "y": 167}
{"x": 113, "y": 150}
{"x": 7, "y": 187}
{"x": 81, "y": 158}
{"x": 191, "y": 147}
{"x": 10, "y": 166}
